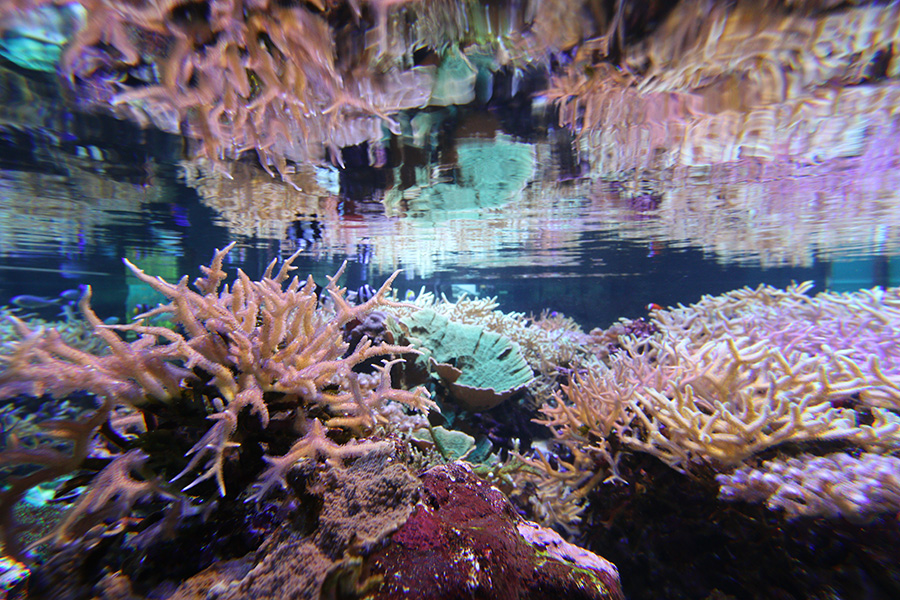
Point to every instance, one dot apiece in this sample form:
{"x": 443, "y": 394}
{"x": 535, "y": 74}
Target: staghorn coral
{"x": 555, "y": 489}
{"x": 852, "y": 331}
{"x": 730, "y": 377}
{"x": 725, "y": 403}
{"x": 73, "y": 330}
{"x": 261, "y": 359}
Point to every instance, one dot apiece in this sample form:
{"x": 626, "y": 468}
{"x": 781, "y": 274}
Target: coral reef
{"x": 728, "y": 378}
{"x": 261, "y": 360}
{"x": 368, "y": 529}
{"x": 325, "y": 516}
{"x": 857, "y": 488}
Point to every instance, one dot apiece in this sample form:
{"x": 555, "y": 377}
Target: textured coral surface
{"x": 463, "y": 541}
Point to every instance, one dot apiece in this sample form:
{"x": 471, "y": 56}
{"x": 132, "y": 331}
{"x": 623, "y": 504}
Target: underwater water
{"x": 642, "y": 302}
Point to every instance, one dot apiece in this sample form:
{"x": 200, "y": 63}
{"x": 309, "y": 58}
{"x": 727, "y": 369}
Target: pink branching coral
{"x": 263, "y": 360}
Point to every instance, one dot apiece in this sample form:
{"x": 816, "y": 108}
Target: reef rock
{"x": 465, "y": 540}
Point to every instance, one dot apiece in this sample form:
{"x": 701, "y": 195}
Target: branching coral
{"x": 262, "y": 352}
{"x": 732, "y": 376}
{"x": 730, "y": 400}
{"x": 74, "y": 330}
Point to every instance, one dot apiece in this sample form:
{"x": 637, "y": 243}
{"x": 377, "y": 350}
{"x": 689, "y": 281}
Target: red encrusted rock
{"x": 465, "y": 540}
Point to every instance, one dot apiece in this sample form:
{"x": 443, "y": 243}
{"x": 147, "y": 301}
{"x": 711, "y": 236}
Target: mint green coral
{"x": 482, "y": 368}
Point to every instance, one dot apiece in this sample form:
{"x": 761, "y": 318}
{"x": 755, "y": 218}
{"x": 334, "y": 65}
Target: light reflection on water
{"x": 526, "y": 221}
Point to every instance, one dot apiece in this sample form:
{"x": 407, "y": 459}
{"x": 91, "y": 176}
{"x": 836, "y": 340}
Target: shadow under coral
{"x": 671, "y": 537}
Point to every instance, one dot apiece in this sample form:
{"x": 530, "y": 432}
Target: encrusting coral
{"x": 265, "y": 361}
{"x": 857, "y": 488}
{"x": 732, "y": 376}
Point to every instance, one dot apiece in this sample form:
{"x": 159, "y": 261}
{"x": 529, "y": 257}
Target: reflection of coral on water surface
{"x": 256, "y": 434}
{"x": 288, "y": 81}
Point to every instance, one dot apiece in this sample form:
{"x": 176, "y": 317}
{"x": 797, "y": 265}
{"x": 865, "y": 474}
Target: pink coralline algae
{"x": 465, "y": 540}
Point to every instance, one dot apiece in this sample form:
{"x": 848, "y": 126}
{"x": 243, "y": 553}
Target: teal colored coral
{"x": 482, "y": 368}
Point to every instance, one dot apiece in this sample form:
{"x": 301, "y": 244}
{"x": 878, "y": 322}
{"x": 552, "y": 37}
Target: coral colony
{"x": 259, "y": 395}
{"x": 253, "y": 382}
{"x": 733, "y": 376}
{"x": 259, "y": 346}
{"x": 271, "y": 438}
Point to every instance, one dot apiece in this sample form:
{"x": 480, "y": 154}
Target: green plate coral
{"x": 481, "y": 368}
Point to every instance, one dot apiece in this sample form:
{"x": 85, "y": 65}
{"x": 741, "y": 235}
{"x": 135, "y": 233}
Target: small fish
{"x": 653, "y": 306}
{"x": 409, "y": 296}
{"x": 73, "y": 295}
{"x": 364, "y": 293}
{"x": 33, "y": 302}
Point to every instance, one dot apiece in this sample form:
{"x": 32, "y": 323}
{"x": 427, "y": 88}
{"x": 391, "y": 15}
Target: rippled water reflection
{"x": 540, "y": 220}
